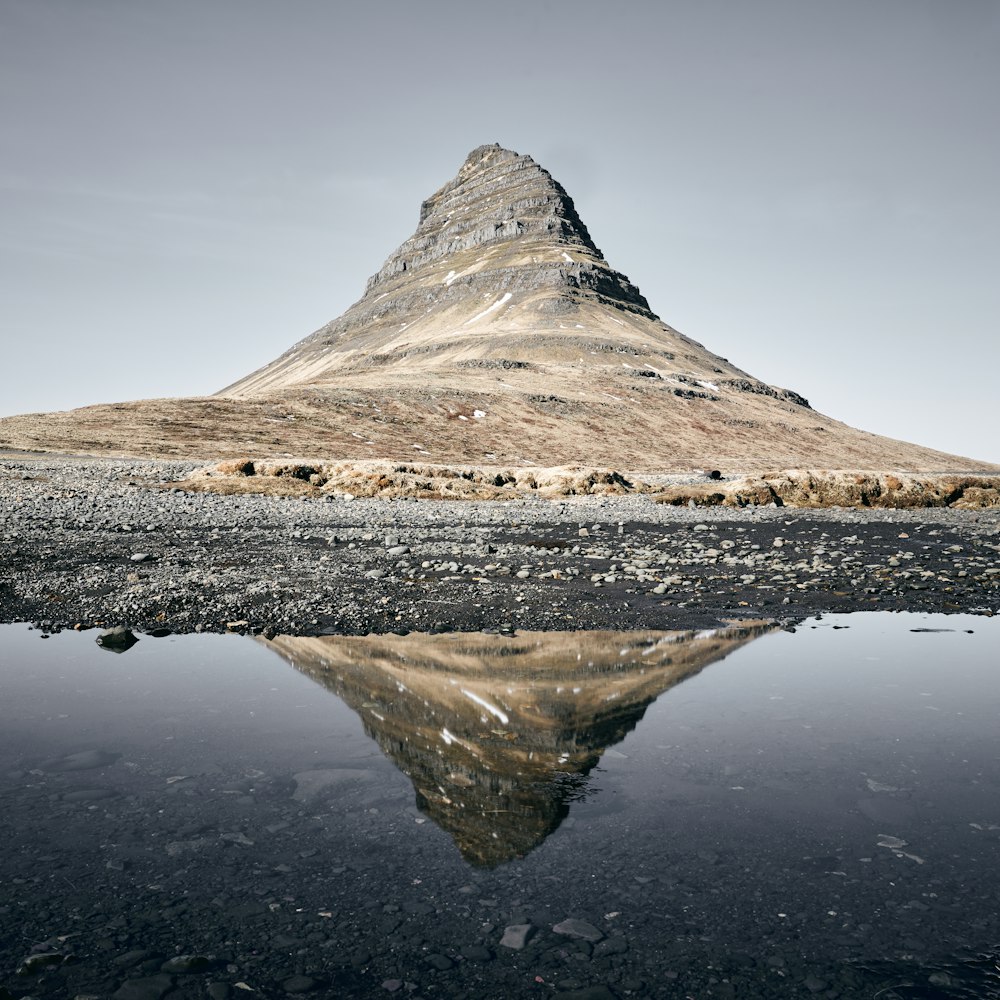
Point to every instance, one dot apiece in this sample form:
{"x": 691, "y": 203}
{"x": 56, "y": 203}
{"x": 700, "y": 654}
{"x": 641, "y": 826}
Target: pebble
{"x": 41, "y": 960}
{"x": 300, "y": 984}
{"x": 185, "y": 964}
{"x": 571, "y": 927}
{"x": 516, "y": 936}
{"x": 145, "y": 988}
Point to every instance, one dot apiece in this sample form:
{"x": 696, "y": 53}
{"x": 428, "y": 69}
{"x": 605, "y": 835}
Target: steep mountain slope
{"x": 496, "y": 334}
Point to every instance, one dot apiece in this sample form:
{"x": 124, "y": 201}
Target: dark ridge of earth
{"x": 87, "y": 543}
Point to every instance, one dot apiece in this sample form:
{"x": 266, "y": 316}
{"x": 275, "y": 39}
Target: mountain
{"x": 496, "y": 334}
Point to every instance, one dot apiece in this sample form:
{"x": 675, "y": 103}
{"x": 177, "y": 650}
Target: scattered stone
{"x": 34, "y": 964}
{"x": 145, "y": 988}
{"x": 588, "y": 993}
{"x": 516, "y": 936}
{"x": 185, "y": 964}
{"x": 572, "y": 927}
{"x": 117, "y": 640}
{"x": 611, "y": 946}
{"x": 84, "y": 760}
{"x": 300, "y": 984}
{"x": 477, "y": 953}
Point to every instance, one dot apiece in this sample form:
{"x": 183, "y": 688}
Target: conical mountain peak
{"x": 497, "y": 334}
{"x": 499, "y": 252}
{"x": 497, "y": 197}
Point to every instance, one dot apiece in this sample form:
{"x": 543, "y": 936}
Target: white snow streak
{"x": 496, "y": 305}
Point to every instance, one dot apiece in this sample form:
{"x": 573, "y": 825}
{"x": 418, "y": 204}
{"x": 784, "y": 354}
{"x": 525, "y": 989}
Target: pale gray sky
{"x": 810, "y": 189}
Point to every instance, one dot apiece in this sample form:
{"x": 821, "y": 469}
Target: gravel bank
{"x": 90, "y": 542}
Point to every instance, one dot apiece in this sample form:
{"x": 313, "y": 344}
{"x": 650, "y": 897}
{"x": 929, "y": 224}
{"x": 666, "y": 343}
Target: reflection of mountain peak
{"x": 498, "y": 733}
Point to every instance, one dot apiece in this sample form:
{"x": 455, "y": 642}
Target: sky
{"x": 810, "y": 189}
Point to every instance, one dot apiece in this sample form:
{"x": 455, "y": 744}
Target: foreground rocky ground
{"x": 89, "y": 542}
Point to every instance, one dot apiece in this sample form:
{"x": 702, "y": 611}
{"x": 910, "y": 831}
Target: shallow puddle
{"x": 746, "y": 812}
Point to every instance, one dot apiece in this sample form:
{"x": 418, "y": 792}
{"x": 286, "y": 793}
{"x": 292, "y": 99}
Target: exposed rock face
{"x": 496, "y": 335}
{"x": 499, "y": 250}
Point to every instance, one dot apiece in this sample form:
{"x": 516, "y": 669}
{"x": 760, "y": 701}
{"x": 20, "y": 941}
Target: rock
{"x": 34, "y": 964}
{"x": 89, "y": 795}
{"x": 477, "y": 953}
{"x": 118, "y": 639}
{"x": 300, "y": 984}
{"x": 84, "y": 760}
{"x": 175, "y": 848}
{"x": 611, "y": 946}
{"x": 238, "y": 837}
{"x": 134, "y": 957}
{"x": 141, "y": 557}
{"x": 572, "y": 927}
{"x": 185, "y": 964}
{"x": 941, "y": 979}
{"x": 516, "y": 936}
{"x": 146, "y": 988}
{"x": 310, "y": 784}
{"x": 440, "y": 962}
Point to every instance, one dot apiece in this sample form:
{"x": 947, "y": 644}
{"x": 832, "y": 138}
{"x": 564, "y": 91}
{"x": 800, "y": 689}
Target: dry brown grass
{"x": 803, "y": 488}
{"x": 404, "y": 479}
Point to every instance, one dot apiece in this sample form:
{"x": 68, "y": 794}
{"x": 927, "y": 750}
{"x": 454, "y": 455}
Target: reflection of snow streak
{"x": 492, "y": 709}
{"x": 450, "y": 738}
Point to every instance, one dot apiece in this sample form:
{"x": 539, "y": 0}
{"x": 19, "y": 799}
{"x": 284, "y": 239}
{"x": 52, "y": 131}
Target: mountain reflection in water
{"x": 498, "y": 733}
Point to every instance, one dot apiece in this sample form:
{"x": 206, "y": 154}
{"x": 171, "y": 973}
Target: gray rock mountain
{"x": 496, "y": 334}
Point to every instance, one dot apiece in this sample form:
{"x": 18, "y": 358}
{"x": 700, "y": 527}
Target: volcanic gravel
{"x": 94, "y": 542}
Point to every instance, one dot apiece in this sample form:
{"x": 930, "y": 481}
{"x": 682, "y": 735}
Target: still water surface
{"x": 748, "y": 812}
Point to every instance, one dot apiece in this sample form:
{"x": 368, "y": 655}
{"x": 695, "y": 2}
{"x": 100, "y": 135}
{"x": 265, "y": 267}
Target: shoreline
{"x": 90, "y": 544}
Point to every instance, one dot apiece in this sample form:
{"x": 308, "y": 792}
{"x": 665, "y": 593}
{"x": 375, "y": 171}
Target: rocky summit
{"x": 497, "y": 334}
